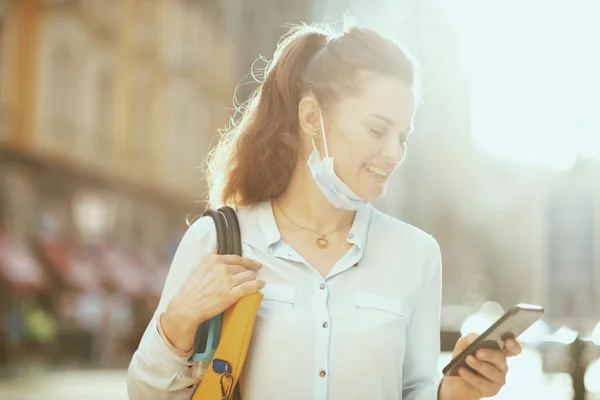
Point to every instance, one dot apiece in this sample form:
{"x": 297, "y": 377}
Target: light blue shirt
{"x": 369, "y": 330}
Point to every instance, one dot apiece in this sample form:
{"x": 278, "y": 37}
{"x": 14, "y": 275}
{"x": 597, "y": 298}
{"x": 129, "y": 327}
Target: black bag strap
{"x": 234, "y": 242}
{"x": 221, "y": 226}
{"x": 234, "y": 238}
{"x": 229, "y": 241}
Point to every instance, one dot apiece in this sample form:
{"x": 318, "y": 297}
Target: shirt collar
{"x": 265, "y": 222}
{"x": 360, "y": 226}
{"x": 258, "y": 218}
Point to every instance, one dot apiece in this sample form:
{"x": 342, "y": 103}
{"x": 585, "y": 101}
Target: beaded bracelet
{"x": 170, "y": 345}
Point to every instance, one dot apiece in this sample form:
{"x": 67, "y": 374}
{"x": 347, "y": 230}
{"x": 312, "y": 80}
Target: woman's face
{"x": 366, "y": 133}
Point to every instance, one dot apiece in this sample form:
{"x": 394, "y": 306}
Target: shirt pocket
{"x": 377, "y": 311}
{"x": 278, "y": 305}
{"x": 279, "y": 293}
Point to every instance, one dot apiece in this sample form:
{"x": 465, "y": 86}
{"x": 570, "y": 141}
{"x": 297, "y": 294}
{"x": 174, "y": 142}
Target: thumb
{"x": 464, "y": 342}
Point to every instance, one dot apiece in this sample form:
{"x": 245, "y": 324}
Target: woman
{"x": 352, "y": 298}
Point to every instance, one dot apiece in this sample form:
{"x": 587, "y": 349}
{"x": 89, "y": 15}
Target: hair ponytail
{"x": 256, "y": 157}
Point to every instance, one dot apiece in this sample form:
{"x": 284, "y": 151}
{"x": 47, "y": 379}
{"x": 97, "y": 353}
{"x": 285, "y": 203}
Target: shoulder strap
{"x": 229, "y": 241}
{"x": 234, "y": 237}
{"x": 209, "y": 332}
{"x": 221, "y": 226}
{"x": 234, "y": 241}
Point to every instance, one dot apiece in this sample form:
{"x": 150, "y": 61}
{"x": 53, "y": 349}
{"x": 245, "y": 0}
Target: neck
{"x": 305, "y": 205}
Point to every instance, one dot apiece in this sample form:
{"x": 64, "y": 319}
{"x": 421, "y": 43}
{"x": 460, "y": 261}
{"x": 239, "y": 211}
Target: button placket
{"x": 322, "y": 338}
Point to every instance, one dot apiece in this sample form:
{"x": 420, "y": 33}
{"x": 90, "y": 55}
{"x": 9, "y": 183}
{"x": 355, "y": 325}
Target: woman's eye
{"x": 376, "y": 132}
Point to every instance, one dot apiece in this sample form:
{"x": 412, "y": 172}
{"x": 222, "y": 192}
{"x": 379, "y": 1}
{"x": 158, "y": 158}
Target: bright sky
{"x": 536, "y": 71}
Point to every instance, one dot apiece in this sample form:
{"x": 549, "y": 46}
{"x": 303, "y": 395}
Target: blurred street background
{"x": 108, "y": 108}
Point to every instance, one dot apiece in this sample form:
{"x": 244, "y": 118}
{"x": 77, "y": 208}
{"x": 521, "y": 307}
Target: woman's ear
{"x": 308, "y": 115}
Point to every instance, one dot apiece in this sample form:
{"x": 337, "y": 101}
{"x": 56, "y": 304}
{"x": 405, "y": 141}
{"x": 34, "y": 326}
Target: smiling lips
{"x": 383, "y": 173}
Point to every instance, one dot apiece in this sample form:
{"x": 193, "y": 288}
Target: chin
{"x": 373, "y": 194}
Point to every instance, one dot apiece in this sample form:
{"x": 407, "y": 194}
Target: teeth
{"x": 378, "y": 171}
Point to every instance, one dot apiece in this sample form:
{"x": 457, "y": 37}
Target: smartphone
{"x": 510, "y": 326}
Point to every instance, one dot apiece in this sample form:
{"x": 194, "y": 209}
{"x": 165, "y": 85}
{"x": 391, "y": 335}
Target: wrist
{"x": 177, "y": 331}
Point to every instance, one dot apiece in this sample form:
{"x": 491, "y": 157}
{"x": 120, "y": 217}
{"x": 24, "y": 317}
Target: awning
{"x": 70, "y": 264}
{"x": 121, "y": 271}
{"x": 18, "y": 265}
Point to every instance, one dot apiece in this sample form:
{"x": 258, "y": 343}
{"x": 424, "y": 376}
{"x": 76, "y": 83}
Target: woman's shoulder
{"x": 203, "y": 229}
{"x": 200, "y": 231}
{"x": 399, "y": 231}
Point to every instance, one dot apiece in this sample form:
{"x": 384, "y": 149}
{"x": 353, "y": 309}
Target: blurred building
{"x": 107, "y": 110}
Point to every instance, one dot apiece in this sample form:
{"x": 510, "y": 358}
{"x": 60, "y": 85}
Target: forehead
{"x": 387, "y": 96}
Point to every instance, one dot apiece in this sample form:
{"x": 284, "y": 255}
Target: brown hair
{"x": 256, "y": 156}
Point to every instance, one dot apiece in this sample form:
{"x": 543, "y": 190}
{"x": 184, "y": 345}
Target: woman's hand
{"x": 215, "y": 285}
{"x": 491, "y": 364}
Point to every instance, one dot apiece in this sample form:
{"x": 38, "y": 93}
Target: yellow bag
{"x": 224, "y": 340}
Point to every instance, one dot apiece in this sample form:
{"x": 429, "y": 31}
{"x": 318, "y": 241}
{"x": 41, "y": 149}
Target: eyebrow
{"x": 389, "y": 121}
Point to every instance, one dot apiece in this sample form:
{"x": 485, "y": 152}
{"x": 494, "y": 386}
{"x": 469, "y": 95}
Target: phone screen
{"x": 511, "y": 325}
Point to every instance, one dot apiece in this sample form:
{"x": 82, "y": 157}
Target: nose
{"x": 395, "y": 150}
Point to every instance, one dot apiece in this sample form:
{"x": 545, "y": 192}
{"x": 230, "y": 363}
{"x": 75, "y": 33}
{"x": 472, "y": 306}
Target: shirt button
{"x": 322, "y": 373}
{"x": 325, "y": 324}
{"x": 351, "y": 235}
{"x": 322, "y": 286}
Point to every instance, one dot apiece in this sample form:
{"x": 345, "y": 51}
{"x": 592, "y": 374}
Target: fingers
{"x": 236, "y": 269}
{"x": 482, "y": 385}
{"x": 470, "y": 338}
{"x": 247, "y": 288}
{"x": 512, "y": 348}
{"x": 488, "y": 370}
{"x": 494, "y": 357}
{"x": 241, "y": 277}
{"x": 464, "y": 342}
{"x": 232, "y": 259}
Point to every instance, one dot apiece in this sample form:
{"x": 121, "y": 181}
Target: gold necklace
{"x": 322, "y": 241}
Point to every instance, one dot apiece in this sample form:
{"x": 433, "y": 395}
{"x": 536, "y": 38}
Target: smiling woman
{"x": 346, "y": 285}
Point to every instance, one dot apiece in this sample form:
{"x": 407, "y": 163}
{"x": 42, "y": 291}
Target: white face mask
{"x": 332, "y": 187}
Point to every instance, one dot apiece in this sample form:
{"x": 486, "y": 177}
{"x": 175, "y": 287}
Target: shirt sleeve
{"x": 155, "y": 371}
{"x": 420, "y": 376}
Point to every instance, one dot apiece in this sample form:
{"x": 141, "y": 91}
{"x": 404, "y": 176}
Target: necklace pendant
{"x": 322, "y": 242}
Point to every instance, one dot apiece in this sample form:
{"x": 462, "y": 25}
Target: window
{"x": 190, "y": 132}
{"x": 4, "y": 211}
{"x": 19, "y": 203}
{"x": 179, "y": 116}
{"x": 141, "y": 117}
{"x": 1, "y": 51}
{"x": 4, "y": 115}
{"x": 64, "y": 77}
{"x": 103, "y": 113}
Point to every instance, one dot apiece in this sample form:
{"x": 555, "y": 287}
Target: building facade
{"x": 106, "y": 114}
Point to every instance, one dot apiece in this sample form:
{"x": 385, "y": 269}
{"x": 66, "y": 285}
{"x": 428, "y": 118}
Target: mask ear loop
{"x": 323, "y": 131}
